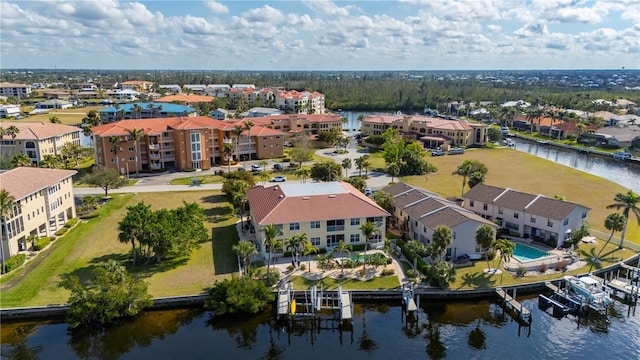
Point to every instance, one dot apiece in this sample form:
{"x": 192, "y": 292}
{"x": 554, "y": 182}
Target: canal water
{"x": 452, "y": 330}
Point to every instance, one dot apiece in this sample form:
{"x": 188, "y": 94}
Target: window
{"x": 511, "y": 226}
{"x": 315, "y": 241}
{"x": 565, "y": 222}
{"x": 278, "y": 227}
{"x": 485, "y": 207}
{"x": 333, "y": 240}
{"x": 471, "y": 203}
{"x": 549, "y": 223}
{"x": 355, "y": 221}
{"x": 516, "y": 215}
{"x": 584, "y": 214}
{"x": 533, "y": 219}
{"x": 335, "y": 225}
{"x": 294, "y": 226}
{"x": 315, "y": 224}
{"x": 499, "y": 210}
{"x": 354, "y": 238}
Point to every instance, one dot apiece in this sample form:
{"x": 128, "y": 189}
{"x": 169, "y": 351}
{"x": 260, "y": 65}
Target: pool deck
{"x": 557, "y": 259}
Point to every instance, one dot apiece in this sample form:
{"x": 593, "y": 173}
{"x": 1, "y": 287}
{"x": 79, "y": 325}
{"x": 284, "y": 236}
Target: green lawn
{"x": 67, "y": 116}
{"x": 90, "y": 243}
{"x": 203, "y": 179}
{"x": 383, "y": 283}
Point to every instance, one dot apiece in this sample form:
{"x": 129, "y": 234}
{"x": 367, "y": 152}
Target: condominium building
{"x": 14, "y": 90}
{"x": 144, "y": 110}
{"x": 326, "y": 212}
{"x": 433, "y": 132}
{"x": 180, "y": 142}
{"x": 300, "y": 102}
{"x": 37, "y": 139}
{"x": 136, "y": 85}
{"x": 296, "y": 123}
{"x": 43, "y": 204}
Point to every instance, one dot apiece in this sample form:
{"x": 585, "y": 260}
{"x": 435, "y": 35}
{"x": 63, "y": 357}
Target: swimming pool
{"x": 524, "y": 253}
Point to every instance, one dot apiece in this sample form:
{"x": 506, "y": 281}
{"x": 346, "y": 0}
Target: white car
{"x": 256, "y": 168}
{"x": 368, "y": 192}
{"x": 278, "y": 179}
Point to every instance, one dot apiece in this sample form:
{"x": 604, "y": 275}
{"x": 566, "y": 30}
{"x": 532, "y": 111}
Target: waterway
{"x": 618, "y": 171}
{"x": 458, "y": 330}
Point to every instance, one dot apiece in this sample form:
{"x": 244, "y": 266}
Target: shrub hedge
{"x": 41, "y": 243}
{"x": 62, "y": 231}
{"x": 15, "y": 262}
{"x": 71, "y": 223}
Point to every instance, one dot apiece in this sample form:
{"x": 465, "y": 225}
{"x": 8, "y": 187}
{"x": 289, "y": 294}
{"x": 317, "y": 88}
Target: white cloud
{"x": 216, "y": 7}
{"x": 326, "y": 7}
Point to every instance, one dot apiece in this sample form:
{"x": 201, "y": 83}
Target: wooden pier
{"x": 309, "y": 303}
{"x": 522, "y": 313}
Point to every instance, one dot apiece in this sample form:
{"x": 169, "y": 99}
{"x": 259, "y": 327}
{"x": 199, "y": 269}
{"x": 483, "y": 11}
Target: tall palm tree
{"x": 614, "y": 222}
{"x": 293, "y": 244}
{"x": 506, "y": 249}
{"x": 303, "y": 174}
{"x": 308, "y": 249}
{"x": 368, "y": 229}
{"x": 137, "y": 111}
{"x": 50, "y": 161}
{"x": 6, "y": 208}
{"x": 270, "y": 233}
{"x": 415, "y": 247}
{"x": 441, "y": 239}
{"x": 136, "y": 134}
{"x": 470, "y": 168}
{"x": 247, "y": 126}
{"x": 227, "y": 150}
{"x": 343, "y": 248}
{"x": 346, "y": 165}
{"x": 485, "y": 235}
{"x": 12, "y": 131}
{"x": 630, "y": 204}
{"x": 237, "y": 131}
{"x": 114, "y": 140}
{"x": 244, "y": 249}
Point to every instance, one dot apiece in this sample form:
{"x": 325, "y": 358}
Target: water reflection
{"x": 618, "y": 171}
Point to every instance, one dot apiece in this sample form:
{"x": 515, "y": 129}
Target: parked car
{"x": 368, "y": 192}
{"x": 256, "y": 167}
{"x": 437, "y": 152}
{"x": 278, "y": 179}
{"x": 241, "y": 168}
{"x": 278, "y": 166}
{"x": 504, "y": 130}
{"x": 287, "y": 144}
{"x": 456, "y": 151}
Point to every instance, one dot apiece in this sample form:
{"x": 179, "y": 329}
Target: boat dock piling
{"x": 522, "y": 313}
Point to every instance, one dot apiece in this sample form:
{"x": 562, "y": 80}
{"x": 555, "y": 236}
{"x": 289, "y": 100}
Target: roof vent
{"x": 332, "y": 196}
{"x": 305, "y": 198}
{"x": 281, "y": 196}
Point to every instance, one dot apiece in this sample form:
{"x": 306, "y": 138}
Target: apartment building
{"x": 43, "y": 204}
{"x": 144, "y": 110}
{"x": 300, "y": 102}
{"x": 433, "y": 132}
{"x": 296, "y": 123}
{"x": 37, "y": 139}
{"x": 533, "y": 216}
{"x": 418, "y": 212}
{"x": 14, "y": 90}
{"x": 180, "y": 142}
{"x": 327, "y": 212}
{"x": 137, "y": 85}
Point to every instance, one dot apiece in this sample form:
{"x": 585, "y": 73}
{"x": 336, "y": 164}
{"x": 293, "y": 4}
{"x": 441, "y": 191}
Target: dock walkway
{"x": 523, "y": 313}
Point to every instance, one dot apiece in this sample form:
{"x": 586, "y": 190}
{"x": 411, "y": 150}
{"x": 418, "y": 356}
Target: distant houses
{"x": 142, "y": 110}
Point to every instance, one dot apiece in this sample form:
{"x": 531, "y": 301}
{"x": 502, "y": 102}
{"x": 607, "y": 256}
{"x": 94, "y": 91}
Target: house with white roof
{"x": 326, "y": 212}
{"x": 53, "y": 104}
{"x": 9, "y": 110}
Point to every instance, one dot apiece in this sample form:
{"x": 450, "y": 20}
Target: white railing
{"x": 154, "y": 146}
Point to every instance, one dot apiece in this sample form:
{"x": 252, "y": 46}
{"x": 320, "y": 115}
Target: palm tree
{"x": 368, "y": 229}
{"x": 303, "y": 174}
{"x": 308, "y": 249}
{"x": 506, "y": 249}
{"x": 485, "y": 235}
{"x": 441, "y": 239}
{"x": 245, "y": 249}
{"x": 293, "y": 244}
{"x": 343, "y": 248}
{"x": 470, "y": 168}
{"x": 630, "y": 203}
{"x": 346, "y": 165}
{"x": 12, "y": 131}
{"x": 415, "y": 247}
{"x": 270, "y": 233}
{"x": 136, "y": 134}
{"x": 614, "y": 222}
{"x": 114, "y": 140}
{"x": 6, "y": 208}
{"x": 227, "y": 150}
{"x": 237, "y": 131}
{"x": 137, "y": 111}
{"x": 54, "y": 120}
{"x": 21, "y": 160}
{"x": 50, "y": 161}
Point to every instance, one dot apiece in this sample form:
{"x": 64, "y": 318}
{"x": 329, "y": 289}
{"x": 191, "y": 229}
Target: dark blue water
{"x": 474, "y": 330}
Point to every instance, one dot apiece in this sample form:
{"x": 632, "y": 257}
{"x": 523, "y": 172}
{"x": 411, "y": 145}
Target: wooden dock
{"x": 522, "y": 313}
{"x": 284, "y": 301}
{"x": 622, "y": 290}
{"x": 346, "y": 312}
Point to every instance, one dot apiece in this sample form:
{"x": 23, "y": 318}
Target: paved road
{"x": 160, "y": 182}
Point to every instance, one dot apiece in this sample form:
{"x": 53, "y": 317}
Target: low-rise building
{"x": 186, "y": 99}
{"x": 432, "y": 131}
{"x": 526, "y": 215}
{"x": 137, "y": 85}
{"x": 300, "y": 102}
{"x": 418, "y": 212}
{"x": 144, "y": 110}
{"x": 9, "y": 110}
{"x": 326, "y": 212}
{"x": 53, "y": 104}
{"x": 37, "y": 139}
{"x": 43, "y": 203}
{"x": 14, "y": 90}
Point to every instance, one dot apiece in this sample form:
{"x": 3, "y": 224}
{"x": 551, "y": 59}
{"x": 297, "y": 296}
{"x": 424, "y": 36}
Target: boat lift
{"x": 309, "y": 303}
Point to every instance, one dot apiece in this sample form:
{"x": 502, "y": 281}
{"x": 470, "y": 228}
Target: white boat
{"x": 592, "y": 292}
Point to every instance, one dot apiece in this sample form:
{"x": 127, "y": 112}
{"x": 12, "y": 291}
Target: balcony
{"x": 155, "y": 166}
{"x": 154, "y": 146}
{"x": 228, "y": 141}
{"x": 154, "y": 156}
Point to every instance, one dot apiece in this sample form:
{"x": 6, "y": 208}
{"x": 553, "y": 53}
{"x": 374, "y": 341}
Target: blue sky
{"x": 321, "y": 35}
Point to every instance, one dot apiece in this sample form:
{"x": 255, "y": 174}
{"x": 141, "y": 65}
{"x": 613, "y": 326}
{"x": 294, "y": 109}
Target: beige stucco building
{"x": 43, "y": 204}
{"x": 37, "y": 139}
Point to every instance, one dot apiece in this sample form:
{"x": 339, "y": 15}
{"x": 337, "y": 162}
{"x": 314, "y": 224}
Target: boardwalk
{"x": 510, "y": 303}
{"x": 345, "y": 305}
